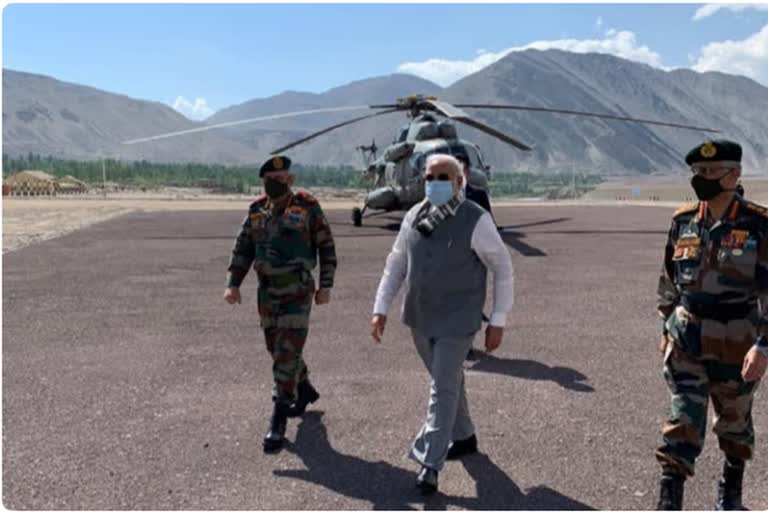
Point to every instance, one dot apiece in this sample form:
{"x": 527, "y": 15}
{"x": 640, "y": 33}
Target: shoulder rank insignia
{"x": 257, "y": 218}
{"x": 259, "y": 201}
{"x": 753, "y": 207}
{"x": 690, "y": 207}
{"x": 306, "y": 196}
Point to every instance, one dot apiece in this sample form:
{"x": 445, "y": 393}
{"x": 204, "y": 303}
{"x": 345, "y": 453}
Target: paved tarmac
{"x": 129, "y": 384}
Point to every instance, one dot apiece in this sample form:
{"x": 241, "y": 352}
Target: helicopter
{"x": 397, "y": 175}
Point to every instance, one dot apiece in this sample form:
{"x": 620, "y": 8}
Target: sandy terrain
{"x": 675, "y": 189}
{"x": 30, "y": 220}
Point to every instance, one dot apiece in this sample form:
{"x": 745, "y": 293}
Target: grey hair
{"x": 439, "y": 158}
{"x": 727, "y": 164}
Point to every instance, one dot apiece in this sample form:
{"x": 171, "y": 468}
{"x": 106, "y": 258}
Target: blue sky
{"x": 218, "y": 55}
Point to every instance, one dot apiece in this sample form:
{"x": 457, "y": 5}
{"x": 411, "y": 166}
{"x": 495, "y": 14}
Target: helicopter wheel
{"x": 357, "y": 217}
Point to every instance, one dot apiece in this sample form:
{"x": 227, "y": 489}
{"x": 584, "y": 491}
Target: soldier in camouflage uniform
{"x": 282, "y": 236}
{"x": 712, "y": 296}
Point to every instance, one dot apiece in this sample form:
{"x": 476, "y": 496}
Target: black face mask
{"x": 275, "y": 188}
{"x": 707, "y": 189}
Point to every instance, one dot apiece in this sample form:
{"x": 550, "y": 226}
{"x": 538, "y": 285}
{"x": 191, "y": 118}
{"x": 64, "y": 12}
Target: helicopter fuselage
{"x": 398, "y": 173}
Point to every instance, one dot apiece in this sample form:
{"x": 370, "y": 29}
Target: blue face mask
{"x": 438, "y": 192}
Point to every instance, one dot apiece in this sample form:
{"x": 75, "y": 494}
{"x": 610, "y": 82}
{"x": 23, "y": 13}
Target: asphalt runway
{"x": 128, "y": 383}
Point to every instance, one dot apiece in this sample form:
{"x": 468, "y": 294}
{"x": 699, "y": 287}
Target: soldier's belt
{"x": 719, "y": 312}
{"x": 282, "y": 280}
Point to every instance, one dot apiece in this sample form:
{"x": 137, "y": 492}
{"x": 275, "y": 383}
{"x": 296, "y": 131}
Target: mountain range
{"x": 46, "y": 116}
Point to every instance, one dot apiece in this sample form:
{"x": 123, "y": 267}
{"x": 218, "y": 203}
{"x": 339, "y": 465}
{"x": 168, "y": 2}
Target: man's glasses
{"x": 709, "y": 172}
{"x": 439, "y": 177}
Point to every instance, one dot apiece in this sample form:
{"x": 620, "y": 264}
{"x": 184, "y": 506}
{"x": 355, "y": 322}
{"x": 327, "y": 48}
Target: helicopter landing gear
{"x": 357, "y": 216}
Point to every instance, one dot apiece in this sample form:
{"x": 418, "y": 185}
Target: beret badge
{"x": 708, "y": 150}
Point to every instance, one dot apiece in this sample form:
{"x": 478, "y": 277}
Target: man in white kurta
{"x": 442, "y": 253}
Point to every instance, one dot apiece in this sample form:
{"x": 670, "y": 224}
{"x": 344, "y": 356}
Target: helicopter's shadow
{"x": 513, "y": 238}
{"x": 509, "y": 234}
{"x": 389, "y": 487}
{"x": 567, "y": 378}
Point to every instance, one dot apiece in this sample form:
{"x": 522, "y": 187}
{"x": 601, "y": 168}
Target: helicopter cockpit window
{"x": 419, "y": 160}
{"x": 474, "y": 159}
{"x": 402, "y": 136}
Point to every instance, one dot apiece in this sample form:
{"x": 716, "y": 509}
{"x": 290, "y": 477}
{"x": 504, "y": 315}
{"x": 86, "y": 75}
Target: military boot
{"x": 671, "y": 492}
{"x": 307, "y": 394}
{"x": 729, "y": 487}
{"x": 274, "y": 439}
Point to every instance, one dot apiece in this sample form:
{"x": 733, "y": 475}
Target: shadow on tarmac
{"x": 390, "y": 487}
{"x": 568, "y": 378}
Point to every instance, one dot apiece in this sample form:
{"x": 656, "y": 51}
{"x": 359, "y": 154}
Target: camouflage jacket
{"x": 714, "y": 281}
{"x": 279, "y": 242}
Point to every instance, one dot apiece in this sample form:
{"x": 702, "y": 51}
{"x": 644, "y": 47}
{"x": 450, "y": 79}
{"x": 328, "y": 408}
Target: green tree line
{"x": 152, "y": 174}
{"x": 242, "y": 178}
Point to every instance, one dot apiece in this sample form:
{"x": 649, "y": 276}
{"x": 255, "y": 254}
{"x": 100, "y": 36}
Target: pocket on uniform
{"x": 684, "y": 331}
{"x": 737, "y": 266}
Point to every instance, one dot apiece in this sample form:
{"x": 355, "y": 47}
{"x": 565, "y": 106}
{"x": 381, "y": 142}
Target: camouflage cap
{"x": 276, "y": 163}
{"x": 714, "y": 151}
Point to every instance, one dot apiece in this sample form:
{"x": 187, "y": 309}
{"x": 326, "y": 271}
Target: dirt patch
{"x": 30, "y": 220}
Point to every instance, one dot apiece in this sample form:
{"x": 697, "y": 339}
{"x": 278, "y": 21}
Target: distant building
{"x": 31, "y": 183}
{"x": 71, "y": 185}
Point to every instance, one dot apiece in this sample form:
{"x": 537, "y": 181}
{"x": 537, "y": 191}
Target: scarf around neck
{"x": 426, "y": 221}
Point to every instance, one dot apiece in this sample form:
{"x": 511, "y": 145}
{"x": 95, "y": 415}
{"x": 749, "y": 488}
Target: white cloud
{"x": 619, "y": 43}
{"x": 599, "y": 22}
{"x": 748, "y": 57}
{"x": 709, "y": 9}
{"x": 197, "y": 111}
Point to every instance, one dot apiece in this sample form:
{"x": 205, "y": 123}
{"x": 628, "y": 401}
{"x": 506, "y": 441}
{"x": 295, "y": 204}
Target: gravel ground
{"x": 129, "y": 384}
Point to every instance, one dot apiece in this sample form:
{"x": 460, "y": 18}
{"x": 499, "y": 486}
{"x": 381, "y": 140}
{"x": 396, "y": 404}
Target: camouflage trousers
{"x": 285, "y": 320}
{"x": 692, "y": 381}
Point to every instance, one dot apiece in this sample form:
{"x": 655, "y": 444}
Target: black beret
{"x": 276, "y": 163}
{"x": 714, "y": 151}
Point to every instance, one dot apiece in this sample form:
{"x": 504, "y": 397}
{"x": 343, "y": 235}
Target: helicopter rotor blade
{"x": 587, "y": 114}
{"x": 243, "y": 121}
{"x": 456, "y": 114}
{"x": 329, "y": 128}
{"x": 448, "y": 110}
{"x": 492, "y": 131}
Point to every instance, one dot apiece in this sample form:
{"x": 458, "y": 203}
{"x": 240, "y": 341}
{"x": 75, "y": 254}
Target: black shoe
{"x": 671, "y": 492}
{"x": 275, "y": 438}
{"x": 729, "y": 487}
{"x": 307, "y": 395}
{"x": 462, "y": 447}
{"x": 427, "y": 480}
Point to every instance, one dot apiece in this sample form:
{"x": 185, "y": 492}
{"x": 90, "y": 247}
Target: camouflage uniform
{"x": 712, "y": 295}
{"x": 283, "y": 246}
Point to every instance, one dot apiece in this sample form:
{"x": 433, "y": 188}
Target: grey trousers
{"x": 448, "y": 414}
